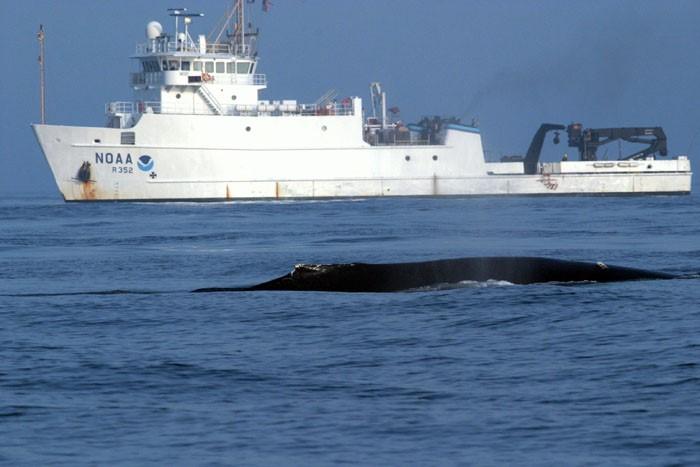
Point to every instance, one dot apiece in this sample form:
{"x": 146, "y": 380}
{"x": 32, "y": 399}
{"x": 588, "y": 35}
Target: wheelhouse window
{"x": 150, "y": 66}
{"x": 220, "y": 67}
{"x": 185, "y": 66}
{"x": 243, "y": 68}
{"x": 230, "y": 67}
{"x": 173, "y": 65}
{"x": 209, "y": 67}
{"x": 197, "y": 66}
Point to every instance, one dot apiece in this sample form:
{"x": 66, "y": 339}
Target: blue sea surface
{"x": 477, "y": 374}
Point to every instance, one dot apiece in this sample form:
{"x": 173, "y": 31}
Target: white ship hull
{"x": 218, "y": 158}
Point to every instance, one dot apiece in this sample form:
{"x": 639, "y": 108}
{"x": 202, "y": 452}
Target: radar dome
{"x": 153, "y": 30}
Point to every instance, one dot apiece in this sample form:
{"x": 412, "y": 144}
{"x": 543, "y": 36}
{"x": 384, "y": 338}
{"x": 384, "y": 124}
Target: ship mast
{"x": 234, "y": 17}
{"x": 241, "y": 20}
{"x": 41, "y": 36}
{"x": 233, "y": 27}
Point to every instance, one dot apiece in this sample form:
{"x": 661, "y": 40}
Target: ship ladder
{"x": 210, "y": 99}
{"x": 325, "y": 99}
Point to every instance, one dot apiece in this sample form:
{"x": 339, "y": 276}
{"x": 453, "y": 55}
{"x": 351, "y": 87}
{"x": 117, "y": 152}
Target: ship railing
{"x": 219, "y": 49}
{"x": 282, "y": 109}
{"x": 150, "y": 107}
{"x": 161, "y": 46}
{"x": 333, "y": 108}
{"x": 245, "y": 50}
{"x": 126, "y": 107}
{"x": 239, "y": 78}
{"x": 397, "y": 141}
{"x": 262, "y": 109}
{"x": 407, "y": 142}
{"x": 394, "y": 135}
{"x": 119, "y": 107}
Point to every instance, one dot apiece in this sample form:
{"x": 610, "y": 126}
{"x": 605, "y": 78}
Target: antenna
{"x": 182, "y": 13}
{"x": 241, "y": 20}
{"x": 42, "y": 72}
{"x": 176, "y": 12}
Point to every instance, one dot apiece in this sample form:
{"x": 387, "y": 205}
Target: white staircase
{"x": 210, "y": 99}
{"x": 326, "y": 98}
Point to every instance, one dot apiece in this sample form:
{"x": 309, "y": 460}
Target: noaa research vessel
{"x": 198, "y": 130}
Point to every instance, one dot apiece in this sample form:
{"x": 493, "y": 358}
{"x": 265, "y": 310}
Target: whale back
{"x": 392, "y": 277}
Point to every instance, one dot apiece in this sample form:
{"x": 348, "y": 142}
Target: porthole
{"x": 435, "y": 157}
{"x": 408, "y": 158}
{"x": 649, "y": 166}
{"x": 178, "y": 95}
{"x": 324, "y": 128}
{"x": 234, "y": 97}
{"x": 247, "y": 128}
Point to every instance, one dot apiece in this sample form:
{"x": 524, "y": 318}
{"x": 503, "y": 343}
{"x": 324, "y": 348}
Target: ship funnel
{"x": 153, "y": 30}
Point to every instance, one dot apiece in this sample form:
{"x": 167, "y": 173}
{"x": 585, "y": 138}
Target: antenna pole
{"x": 241, "y": 18}
{"x": 42, "y": 72}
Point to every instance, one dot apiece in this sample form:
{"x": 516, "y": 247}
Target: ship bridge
{"x": 182, "y": 73}
{"x": 179, "y": 73}
{"x": 163, "y": 61}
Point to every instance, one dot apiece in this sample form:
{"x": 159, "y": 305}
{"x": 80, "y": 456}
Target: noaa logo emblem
{"x": 145, "y": 163}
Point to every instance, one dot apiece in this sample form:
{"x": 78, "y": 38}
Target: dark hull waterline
{"x": 363, "y": 277}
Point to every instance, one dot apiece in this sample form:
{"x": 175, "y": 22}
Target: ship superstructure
{"x": 197, "y": 130}
{"x": 179, "y": 74}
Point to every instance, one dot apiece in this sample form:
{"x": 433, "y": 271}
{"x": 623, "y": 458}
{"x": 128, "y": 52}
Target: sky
{"x": 511, "y": 64}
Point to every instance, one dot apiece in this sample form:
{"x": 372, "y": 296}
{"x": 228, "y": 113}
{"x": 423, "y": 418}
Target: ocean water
{"x": 480, "y": 374}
